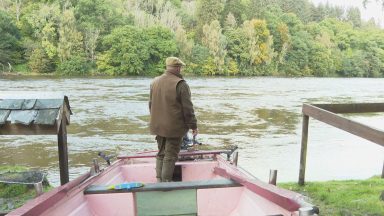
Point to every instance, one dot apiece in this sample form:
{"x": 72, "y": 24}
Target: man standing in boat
{"x": 172, "y": 115}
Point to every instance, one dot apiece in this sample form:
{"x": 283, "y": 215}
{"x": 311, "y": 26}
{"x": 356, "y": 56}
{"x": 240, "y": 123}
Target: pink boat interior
{"x": 199, "y": 188}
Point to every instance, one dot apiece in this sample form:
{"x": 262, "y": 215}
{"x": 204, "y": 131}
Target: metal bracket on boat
{"x": 232, "y": 150}
{"x": 307, "y": 209}
{"x": 107, "y": 158}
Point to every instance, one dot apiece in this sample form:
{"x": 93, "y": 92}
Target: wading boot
{"x": 167, "y": 171}
{"x": 159, "y": 165}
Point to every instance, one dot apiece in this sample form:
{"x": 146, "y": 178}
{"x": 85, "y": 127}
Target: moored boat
{"x": 205, "y": 183}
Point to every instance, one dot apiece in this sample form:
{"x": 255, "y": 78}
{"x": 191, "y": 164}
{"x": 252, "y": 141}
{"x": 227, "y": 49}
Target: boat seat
{"x": 166, "y": 186}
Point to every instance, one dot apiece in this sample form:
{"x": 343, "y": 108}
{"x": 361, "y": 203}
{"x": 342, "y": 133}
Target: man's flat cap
{"x": 174, "y": 61}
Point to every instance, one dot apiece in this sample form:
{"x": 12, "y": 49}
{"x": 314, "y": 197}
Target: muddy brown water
{"x": 260, "y": 115}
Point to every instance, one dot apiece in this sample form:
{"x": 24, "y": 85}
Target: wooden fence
{"x": 327, "y": 113}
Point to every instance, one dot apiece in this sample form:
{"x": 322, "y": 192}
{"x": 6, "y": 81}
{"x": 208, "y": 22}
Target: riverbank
{"x": 13, "y": 196}
{"x": 185, "y": 74}
{"x": 344, "y": 198}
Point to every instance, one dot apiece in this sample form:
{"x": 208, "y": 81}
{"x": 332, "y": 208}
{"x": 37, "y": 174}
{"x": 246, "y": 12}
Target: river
{"x": 260, "y": 115}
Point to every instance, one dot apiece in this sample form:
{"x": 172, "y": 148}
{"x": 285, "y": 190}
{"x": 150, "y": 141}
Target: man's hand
{"x": 195, "y": 131}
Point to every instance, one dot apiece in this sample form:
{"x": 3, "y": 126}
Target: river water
{"x": 260, "y": 115}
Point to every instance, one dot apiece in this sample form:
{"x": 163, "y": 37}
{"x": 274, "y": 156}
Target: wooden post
{"x": 38, "y": 188}
{"x": 63, "y": 151}
{"x": 303, "y": 153}
{"x": 235, "y": 158}
{"x": 382, "y": 172}
{"x": 272, "y": 177}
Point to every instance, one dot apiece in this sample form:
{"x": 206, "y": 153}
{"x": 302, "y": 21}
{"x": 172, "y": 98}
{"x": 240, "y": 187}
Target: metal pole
{"x": 303, "y": 153}
{"x": 272, "y": 177}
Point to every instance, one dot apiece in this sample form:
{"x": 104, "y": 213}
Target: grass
{"x": 344, "y": 198}
{"x": 13, "y": 196}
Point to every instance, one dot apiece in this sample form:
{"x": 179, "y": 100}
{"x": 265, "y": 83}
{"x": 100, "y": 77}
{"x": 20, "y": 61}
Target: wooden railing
{"x": 327, "y": 114}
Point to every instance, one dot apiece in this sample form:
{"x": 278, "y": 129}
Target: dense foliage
{"x": 214, "y": 37}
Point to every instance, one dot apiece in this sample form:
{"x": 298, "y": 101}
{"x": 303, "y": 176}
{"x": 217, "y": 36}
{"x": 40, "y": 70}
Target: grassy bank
{"x": 344, "y": 198}
{"x": 13, "y": 196}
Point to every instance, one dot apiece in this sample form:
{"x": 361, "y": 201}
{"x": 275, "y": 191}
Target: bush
{"x": 75, "y": 66}
{"x": 39, "y": 62}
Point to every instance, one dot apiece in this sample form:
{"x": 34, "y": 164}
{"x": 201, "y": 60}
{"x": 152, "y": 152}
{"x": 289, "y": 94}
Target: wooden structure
{"x": 327, "y": 113}
{"x": 24, "y": 113}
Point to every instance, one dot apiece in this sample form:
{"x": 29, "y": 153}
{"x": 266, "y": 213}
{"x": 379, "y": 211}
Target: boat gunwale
{"x": 38, "y": 205}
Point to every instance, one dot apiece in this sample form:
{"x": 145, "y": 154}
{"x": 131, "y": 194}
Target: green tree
{"x": 237, "y": 44}
{"x": 126, "y": 52}
{"x": 134, "y": 51}
{"x": 281, "y": 36}
{"x": 74, "y": 66}
{"x": 70, "y": 40}
{"x": 184, "y": 44}
{"x": 99, "y": 14}
{"x": 302, "y": 8}
{"x": 297, "y": 58}
{"x": 161, "y": 44}
{"x": 44, "y": 21}
{"x": 260, "y": 42}
{"x": 11, "y": 51}
{"x": 216, "y": 42}
{"x": 199, "y": 55}
{"x": 256, "y": 8}
{"x": 354, "y": 16}
{"x": 353, "y": 64}
{"x": 236, "y": 8}
{"x": 206, "y": 12}
{"x": 39, "y": 61}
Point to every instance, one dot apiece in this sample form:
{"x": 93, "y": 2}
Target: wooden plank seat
{"x": 166, "y": 186}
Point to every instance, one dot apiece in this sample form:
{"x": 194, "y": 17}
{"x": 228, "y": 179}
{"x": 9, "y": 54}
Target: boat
{"x": 205, "y": 183}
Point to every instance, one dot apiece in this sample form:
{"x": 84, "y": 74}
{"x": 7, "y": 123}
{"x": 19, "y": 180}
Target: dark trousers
{"x": 169, "y": 148}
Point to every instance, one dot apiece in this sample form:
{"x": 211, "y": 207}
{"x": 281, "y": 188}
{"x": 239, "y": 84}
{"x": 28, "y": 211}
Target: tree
{"x": 302, "y": 9}
{"x": 207, "y": 11}
{"x": 126, "y": 52}
{"x": 39, "y": 62}
{"x": 133, "y": 51}
{"x": 237, "y": 44}
{"x": 70, "y": 40}
{"x": 256, "y": 8}
{"x": 237, "y": 10}
{"x": 297, "y": 58}
{"x": 74, "y": 66}
{"x": 199, "y": 54}
{"x": 281, "y": 35}
{"x": 354, "y": 16}
{"x": 215, "y": 41}
{"x": 99, "y": 14}
{"x": 11, "y": 51}
{"x": 91, "y": 36}
{"x": 44, "y": 21}
{"x": 259, "y": 40}
{"x": 184, "y": 44}
{"x": 230, "y": 21}
{"x": 161, "y": 44}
